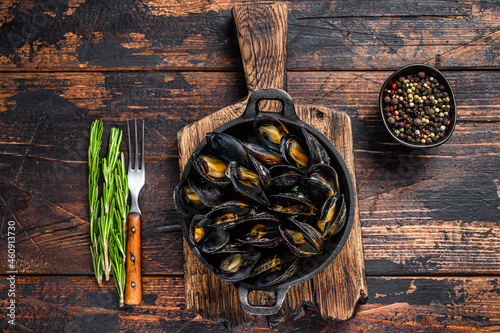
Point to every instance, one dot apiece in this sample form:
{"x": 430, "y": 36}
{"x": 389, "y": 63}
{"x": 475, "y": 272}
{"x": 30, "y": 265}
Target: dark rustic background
{"x": 430, "y": 218}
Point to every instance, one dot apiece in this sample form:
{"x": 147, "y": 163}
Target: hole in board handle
{"x": 270, "y": 105}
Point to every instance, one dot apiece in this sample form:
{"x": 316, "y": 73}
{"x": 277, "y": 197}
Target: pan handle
{"x": 262, "y": 310}
{"x": 287, "y": 106}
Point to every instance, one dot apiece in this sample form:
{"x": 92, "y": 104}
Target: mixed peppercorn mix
{"x": 417, "y": 108}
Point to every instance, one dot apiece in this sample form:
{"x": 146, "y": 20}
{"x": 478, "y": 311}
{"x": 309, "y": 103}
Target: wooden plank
{"x": 166, "y": 34}
{"x": 407, "y": 304}
{"x": 178, "y": 98}
{"x": 44, "y": 139}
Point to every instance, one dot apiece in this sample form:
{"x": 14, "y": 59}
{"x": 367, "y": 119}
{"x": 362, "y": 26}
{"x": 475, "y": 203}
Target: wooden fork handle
{"x": 133, "y": 284}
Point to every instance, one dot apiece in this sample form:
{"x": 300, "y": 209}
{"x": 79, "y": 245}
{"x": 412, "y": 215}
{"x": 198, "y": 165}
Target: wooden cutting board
{"x": 262, "y": 35}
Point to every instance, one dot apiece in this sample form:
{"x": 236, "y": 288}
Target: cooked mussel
{"x": 292, "y": 204}
{"x": 186, "y": 201}
{"x": 230, "y": 213}
{"x": 269, "y": 130}
{"x": 265, "y": 155}
{"x": 235, "y": 247}
{"x": 238, "y": 266}
{"x": 302, "y": 239}
{"x": 247, "y": 183}
{"x": 315, "y": 190}
{"x": 326, "y": 174}
{"x": 198, "y": 229}
{"x": 205, "y": 192}
{"x": 317, "y": 152}
{"x": 262, "y": 171}
{"x": 211, "y": 168}
{"x": 332, "y": 216}
{"x": 214, "y": 240}
{"x": 294, "y": 151}
{"x": 228, "y": 148}
{"x": 260, "y": 230}
{"x": 275, "y": 270}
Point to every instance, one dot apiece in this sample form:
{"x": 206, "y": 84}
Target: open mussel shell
{"x": 228, "y": 148}
{"x": 286, "y": 183}
{"x": 208, "y": 193}
{"x": 315, "y": 190}
{"x": 199, "y": 228}
{"x": 211, "y": 168}
{"x": 269, "y": 131}
{"x": 235, "y": 247}
{"x": 237, "y": 266}
{"x": 278, "y": 273}
{"x": 265, "y": 155}
{"x": 317, "y": 152}
{"x": 214, "y": 240}
{"x": 273, "y": 261}
{"x": 325, "y": 174}
{"x": 302, "y": 239}
{"x": 247, "y": 183}
{"x": 332, "y": 216}
{"x": 186, "y": 201}
{"x": 230, "y": 213}
{"x": 294, "y": 151}
{"x": 262, "y": 171}
{"x": 283, "y": 170}
{"x": 260, "y": 230}
{"x": 292, "y": 204}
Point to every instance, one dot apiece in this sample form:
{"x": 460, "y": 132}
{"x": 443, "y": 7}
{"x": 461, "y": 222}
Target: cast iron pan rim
{"x": 343, "y": 172}
{"x": 449, "y": 89}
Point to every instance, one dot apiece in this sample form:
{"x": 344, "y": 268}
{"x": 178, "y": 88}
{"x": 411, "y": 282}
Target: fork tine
{"x": 142, "y": 150}
{"x": 136, "y": 156}
{"x": 129, "y": 147}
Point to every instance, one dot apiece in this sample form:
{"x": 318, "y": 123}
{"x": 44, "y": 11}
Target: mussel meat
{"x": 269, "y": 130}
{"x": 280, "y": 269}
{"x": 301, "y": 238}
{"x": 265, "y": 155}
{"x": 260, "y": 230}
{"x": 238, "y": 266}
{"x": 247, "y": 183}
{"x": 332, "y": 216}
{"x": 198, "y": 228}
{"x": 230, "y": 214}
{"x": 211, "y": 168}
{"x": 293, "y": 151}
{"x": 292, "y": 204}
{"x": 186, "y": 201}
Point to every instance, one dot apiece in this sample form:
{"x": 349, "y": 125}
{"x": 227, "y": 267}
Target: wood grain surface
{"x": 429, "y": 218}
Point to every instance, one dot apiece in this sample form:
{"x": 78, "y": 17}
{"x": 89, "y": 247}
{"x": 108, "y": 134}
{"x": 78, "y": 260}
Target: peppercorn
{"x": 415, "y": 109}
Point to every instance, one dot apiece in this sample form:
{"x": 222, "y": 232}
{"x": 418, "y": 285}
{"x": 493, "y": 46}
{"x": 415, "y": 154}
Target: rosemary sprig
{"x": 108, "y": 198}
{"x": 108, "y": 213}
{"x": 96, "y": 130}
{"x": 118, "y": 253}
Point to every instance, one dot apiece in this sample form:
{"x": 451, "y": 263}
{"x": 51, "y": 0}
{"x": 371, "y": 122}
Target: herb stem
{"x": 96, "y": 130}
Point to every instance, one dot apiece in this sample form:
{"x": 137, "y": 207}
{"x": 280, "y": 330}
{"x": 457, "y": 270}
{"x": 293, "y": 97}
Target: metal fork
{"x": 136, "y": 179}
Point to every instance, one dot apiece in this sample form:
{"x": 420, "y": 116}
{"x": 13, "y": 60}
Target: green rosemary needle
{"x": 96, "y": 130}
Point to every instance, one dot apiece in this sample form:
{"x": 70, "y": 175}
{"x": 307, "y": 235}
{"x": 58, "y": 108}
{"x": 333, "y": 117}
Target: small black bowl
{"x": 429, "y": 71}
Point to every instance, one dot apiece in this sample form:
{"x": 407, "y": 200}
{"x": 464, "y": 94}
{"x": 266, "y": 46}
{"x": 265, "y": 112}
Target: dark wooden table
{"x": 430, "y": 218}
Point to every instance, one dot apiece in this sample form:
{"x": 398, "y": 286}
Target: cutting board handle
{"x": 262, "y": 35}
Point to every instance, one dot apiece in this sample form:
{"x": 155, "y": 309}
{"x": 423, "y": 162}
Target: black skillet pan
{"x": 242, "y": 128}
